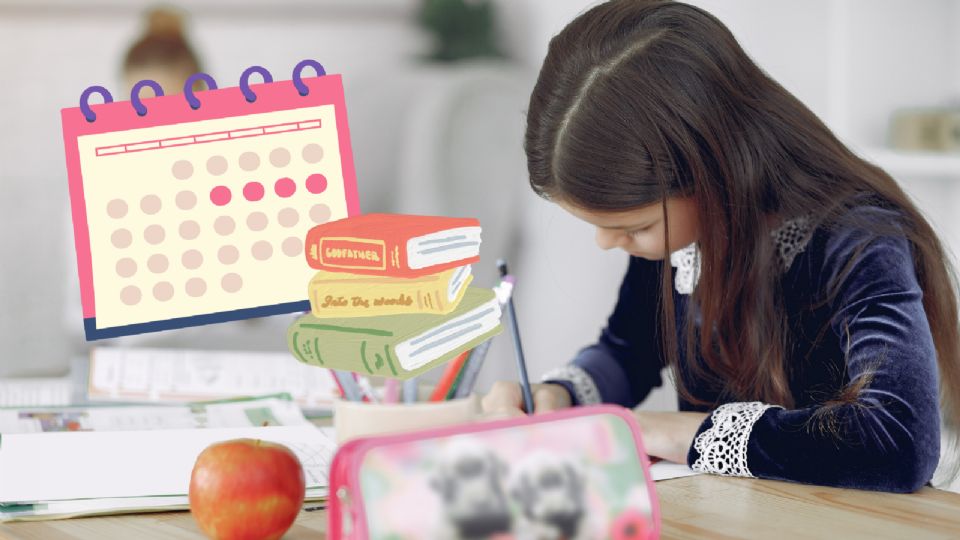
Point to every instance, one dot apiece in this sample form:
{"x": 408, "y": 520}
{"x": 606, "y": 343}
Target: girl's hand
{"x": 506, "y": 399}
{"x": 669, "y": 435}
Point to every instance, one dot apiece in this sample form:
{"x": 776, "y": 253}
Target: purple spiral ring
{"x": 85, "y": 96}
{"x": 245, "y": 83}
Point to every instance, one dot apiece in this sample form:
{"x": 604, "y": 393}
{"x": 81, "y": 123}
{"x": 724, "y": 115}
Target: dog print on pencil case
{"x": 393, "y": 244}
{"x": 398, "y": 346}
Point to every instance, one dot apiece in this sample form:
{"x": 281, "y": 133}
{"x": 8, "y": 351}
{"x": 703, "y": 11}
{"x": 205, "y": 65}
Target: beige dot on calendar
{"x": 280, "y": 157}
{"x": 130, "y": 295}
{"x": 288, "y": 217}
{"x": 189, "y": 229}
{"x": 186, "y": 200}
{"x": 228, "y": 254}
{"x": 196, "y": 287}
{"x": 126, "y": 267}
{"x": 192, "y": 259}
{"x": 117, "y": 208}
{"x": 150, "y": 204}
{"x": 154, "y": 234}
{"x": 312, "y": 153}
{"x": 216, "y": 165}
{"x": 121, "y": 238}
{"x": 320, "y": 213}
{"x": 182, "y": 169}
{"x": 158, "y": 263}
{"x": 224, "y": 225}
{"x": 257, "y": 221}
{"x": 231, "y": 282}
{"x": 163, "y": 291}
{"x": 261, "y": 250}
{"x": 249, "y": 161}
{"x": 292, "y": 246}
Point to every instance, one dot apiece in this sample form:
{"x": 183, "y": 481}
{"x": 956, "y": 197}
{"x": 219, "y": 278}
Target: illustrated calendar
{"x": 193, "y": 208}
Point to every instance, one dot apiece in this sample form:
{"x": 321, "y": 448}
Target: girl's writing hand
{"x": 668, "y": 435}
{"x": 506, "y": 399}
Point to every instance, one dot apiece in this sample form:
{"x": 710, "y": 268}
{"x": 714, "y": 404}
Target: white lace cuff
{"x": 584, "y": 389}
{"x": 723, "y": 447}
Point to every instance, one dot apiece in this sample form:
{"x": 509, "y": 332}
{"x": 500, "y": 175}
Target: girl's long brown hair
{"x": 641, "y": 100}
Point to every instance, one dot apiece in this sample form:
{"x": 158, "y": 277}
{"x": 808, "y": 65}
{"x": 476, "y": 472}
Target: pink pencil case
{"x": 580, "y": 473}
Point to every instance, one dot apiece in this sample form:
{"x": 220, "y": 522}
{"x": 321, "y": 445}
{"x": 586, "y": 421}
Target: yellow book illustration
{"x": 340, "y": 294}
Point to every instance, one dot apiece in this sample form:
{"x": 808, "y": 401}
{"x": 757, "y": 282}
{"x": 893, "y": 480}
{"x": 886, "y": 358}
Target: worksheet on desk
{"x": 79, "y": 465}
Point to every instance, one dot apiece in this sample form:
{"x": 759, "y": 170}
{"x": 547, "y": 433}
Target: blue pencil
{"x": 517, "y": 347}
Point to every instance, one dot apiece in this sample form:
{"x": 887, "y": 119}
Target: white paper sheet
{"x": 75, "y": 465}
{"x": 665, "y": 470}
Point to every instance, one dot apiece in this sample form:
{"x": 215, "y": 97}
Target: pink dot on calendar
{"x": 224, "y": 225}
{"x": 217, "y": 165}
{"x": 257, "y": 221}
{"x": 163, "y": 291}
{"x": 220, "y": 195}
{"x": 249, "y": 161}
{"x": 291, "y": 246}
{"x": 150, "y": 204}
{"x": 116, "y": 208}
{"x": 262, "y": 250}
{"x": 231, "y": 283}
{"x": 158, "y": 263}
{"x": 320, "y": 213}
{"x": 189, "y": 229}
{"x": 126, "y": 267}
{"x": 285, "y": 187}
{"x": 192, "y": 259}
{"x": 253, "y": 191}
{"x": 186, "y": 200}
{"x": 182, "y": 169}
{"x": 228, "y": 254}
{"x": 312, "y": 153}
{"x": 154, "y": 234}
{"x": 130, "y": 295}
{"x": 121, "y": 238}
{"x": 316, "y": 183}
{"x": 196, "y": 287}
{"x": 279, "y": 157}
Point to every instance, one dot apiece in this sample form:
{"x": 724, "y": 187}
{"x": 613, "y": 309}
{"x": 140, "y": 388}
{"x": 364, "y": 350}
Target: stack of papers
{"x": 131, "y": 374}
{"x": 67, "y": 462}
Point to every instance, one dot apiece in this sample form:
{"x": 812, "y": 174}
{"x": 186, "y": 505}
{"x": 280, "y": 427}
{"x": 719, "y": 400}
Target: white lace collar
{"x": 790, "y": 239}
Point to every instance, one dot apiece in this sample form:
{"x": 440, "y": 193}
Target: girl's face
{"x": 639, "y": 231}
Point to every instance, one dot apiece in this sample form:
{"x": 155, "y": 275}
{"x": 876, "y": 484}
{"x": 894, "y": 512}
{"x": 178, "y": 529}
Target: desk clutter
{"x": 60, "y": 462}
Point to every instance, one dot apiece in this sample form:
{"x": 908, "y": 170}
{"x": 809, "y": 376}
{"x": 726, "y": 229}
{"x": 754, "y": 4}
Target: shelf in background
{"x": 902, "y": 163}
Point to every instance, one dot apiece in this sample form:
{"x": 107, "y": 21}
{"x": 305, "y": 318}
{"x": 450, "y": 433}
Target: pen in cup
{"x": 517, "y": 347}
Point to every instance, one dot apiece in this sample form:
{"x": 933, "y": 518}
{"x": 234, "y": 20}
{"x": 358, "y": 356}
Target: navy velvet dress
{"x": 874, "y": 326}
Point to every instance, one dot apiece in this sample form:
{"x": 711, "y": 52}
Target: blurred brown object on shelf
{"x": 933, "y": 129}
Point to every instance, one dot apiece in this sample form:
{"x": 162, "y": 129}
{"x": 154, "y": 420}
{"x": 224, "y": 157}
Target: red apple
{"x": 246, "y": 489}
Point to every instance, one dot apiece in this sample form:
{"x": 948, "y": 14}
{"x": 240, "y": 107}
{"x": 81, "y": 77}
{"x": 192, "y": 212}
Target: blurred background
{"x": 436, "y": 92}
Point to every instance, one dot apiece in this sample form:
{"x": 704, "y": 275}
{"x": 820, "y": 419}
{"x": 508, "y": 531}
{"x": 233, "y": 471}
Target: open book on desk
{"x": 62, "y": 473}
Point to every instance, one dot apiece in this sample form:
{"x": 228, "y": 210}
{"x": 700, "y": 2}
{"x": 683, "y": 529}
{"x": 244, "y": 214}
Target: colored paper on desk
{"x": 396, "y": 346}
{"x": 254, "y": 412}
{"x": 192, "y": 209}
{"x": 338, "y": 294}
{"x": 394, "y": 245}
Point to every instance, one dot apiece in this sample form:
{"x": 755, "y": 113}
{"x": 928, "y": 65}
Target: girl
{"x": 801, "y": 300}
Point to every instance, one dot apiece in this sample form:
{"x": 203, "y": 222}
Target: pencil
{"x": 517, "y": 347}
{"x": 475, "y": 362}
{"x": 449, "y": 376}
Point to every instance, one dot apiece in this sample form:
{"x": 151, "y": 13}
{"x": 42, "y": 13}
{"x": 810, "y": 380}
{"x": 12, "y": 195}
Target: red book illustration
{"x": 393, "y": 245}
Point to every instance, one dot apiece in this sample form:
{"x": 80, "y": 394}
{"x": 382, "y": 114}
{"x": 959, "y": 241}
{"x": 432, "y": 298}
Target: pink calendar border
{"x": 167, "y": 110}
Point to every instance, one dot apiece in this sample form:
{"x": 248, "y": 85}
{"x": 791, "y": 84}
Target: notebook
{"x": 192, "y": 209}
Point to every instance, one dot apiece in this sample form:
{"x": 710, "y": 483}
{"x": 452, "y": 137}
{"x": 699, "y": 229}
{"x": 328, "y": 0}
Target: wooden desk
{"x": 694, "y": 507}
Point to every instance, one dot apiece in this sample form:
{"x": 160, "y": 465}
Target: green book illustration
{"x": 396, "y": 346}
